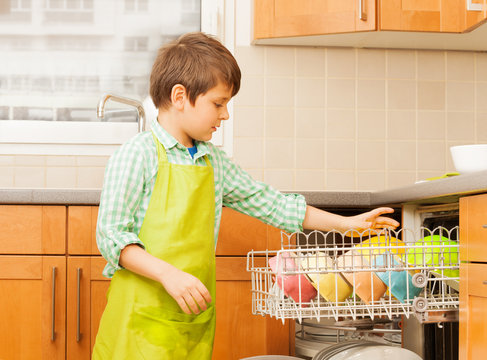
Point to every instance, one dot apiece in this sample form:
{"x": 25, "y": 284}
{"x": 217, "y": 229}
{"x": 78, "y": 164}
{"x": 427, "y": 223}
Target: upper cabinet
{"x": 422, "y": 24}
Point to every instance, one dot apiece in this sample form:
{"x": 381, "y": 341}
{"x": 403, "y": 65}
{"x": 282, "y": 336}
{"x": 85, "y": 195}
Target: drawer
{"x": 32, "y": 229}
{"x": 475, "y": 276}
{"x": 82, "y": 230}
{"x": 473, "y": 228}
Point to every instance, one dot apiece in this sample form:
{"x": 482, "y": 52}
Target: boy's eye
{"x": 218, "y": 105}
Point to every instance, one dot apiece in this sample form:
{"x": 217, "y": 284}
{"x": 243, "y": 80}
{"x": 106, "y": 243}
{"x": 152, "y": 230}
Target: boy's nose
{"x": 224, "y": 115}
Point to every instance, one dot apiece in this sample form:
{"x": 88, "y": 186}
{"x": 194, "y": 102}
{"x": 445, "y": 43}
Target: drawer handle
{"x": 484, "y": 282}
{"x": 78, "y": 332}
{"x": 53, "y": 318}
{"x": 362, "y": 14}
{"x": 484, "y": 226}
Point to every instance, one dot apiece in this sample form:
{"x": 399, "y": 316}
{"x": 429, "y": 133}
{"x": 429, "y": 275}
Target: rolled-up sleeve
{"x": 260, "y": 200}
{"x": 121, "y": 196}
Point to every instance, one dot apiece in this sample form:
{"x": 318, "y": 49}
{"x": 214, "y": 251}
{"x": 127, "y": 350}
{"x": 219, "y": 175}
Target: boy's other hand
{"x": 188, "y": 291}
{"x": 372, "y": 220}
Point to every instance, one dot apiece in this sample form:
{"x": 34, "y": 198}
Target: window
{"x": 60, "y": 56}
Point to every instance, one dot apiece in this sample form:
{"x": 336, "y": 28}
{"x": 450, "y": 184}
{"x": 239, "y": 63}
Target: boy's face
{"x": 205, "y": 117}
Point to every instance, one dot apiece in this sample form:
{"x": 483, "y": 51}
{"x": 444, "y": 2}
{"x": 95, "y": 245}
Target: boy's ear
{"x": 178, "y": 96}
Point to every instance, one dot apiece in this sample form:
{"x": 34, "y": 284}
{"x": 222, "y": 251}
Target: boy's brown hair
{"x": 198, "y": 62}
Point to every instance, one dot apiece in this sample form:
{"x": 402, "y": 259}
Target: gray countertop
{"x": 430, "y": 192}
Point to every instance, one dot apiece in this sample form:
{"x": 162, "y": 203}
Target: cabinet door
{"x": 475, "y": 13}
{"x": 240, "y": 334}
{"x": 32, "y": 307}
{"x": 473, "y": 311}
{"x": 34, "y": 229}
{"x": 422, "y": 15}
{"x": 86, "y": 300}
{"x": 281, "y": 18}
{"x": 473, "y": 228}
{"x": 82, "y": 230}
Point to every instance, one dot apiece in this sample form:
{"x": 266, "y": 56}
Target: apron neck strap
{"x": 161, "y": 151}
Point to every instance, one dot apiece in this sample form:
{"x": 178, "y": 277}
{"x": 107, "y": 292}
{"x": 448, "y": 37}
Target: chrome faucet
{"x": 100, "y": 109}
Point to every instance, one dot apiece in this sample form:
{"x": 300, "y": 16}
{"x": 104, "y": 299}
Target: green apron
{"x": 141, "y": 320}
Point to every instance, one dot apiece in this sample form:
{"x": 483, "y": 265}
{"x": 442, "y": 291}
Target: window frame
{"x": 32, "y": 137}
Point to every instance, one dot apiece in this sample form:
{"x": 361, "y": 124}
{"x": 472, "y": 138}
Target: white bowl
{"x": 469, "y": 158}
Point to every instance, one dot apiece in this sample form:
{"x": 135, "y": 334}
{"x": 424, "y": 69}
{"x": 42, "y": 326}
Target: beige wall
{"x": 355, "y": 119}
{"x": 327, "y": 119}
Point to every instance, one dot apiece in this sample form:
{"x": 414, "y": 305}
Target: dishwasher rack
{"x": 355, "y": 275}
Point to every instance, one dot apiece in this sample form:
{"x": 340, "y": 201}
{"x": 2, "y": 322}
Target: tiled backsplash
{"x": 327, "y": 119}
{"x": 355, "y": 119}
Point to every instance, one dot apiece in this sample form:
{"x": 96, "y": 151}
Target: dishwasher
{"x": 393, "y": 287}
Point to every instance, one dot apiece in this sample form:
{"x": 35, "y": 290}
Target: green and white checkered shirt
{"x": 130, "y": 176}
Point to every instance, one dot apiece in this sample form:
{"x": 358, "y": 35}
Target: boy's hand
{"x": 371, "y": 220}
{"x": 188, "y": 291}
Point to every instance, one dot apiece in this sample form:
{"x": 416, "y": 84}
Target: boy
{"x": 161, "y": 205}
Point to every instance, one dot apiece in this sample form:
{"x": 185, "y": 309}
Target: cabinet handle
{"x": 53, "y": 310}
{"x": 362, "y": 13}
{"x": 484, "y": 226}
{"x": 78, "y": 333}
{"x": 474, "y": 6}
{"x": 484, "y": 282}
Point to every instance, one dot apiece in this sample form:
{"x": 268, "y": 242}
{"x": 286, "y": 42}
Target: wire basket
{"x": 356, "y": 275}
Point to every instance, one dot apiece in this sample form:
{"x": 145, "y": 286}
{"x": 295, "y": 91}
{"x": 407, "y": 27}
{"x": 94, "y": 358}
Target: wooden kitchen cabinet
{"x": 239, "y": 333}
{"x": 473, "y": 277}
{"x": 82, "y": 230}
{"x": 86, "y": 300}
{"x": 32, "y": 307}
{"x": 279, "y": 18}
{"x": 386, "y": 21}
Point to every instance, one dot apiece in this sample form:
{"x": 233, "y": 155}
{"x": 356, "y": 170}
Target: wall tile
{"x": 248, "y": 121}
{"x": 92, "y": 160}
{"x": 310, "y": 123}
{"x": 310, "y": 180}
{"x": 481, "y": 66}
{"x": 431, "y": 157}
{"x": 371, "y": 155}
{"x": 7, "y": 160}
{"x": 371, "y": 124}
{"x": 249, "y": 152}
{"x": 279, "y": 154}
{"x": 371, "y": 63}
{"x": 310, "y": 154}
{"x": 459, "y": 66}
{"x": 481, "y": 126}
{"x": 460, "y": 96}
{"x": 431, "y": 125}
{"x": 340, "y": 124}
{"x": 61, "y": 177}
{"x": 371, "y": 181}
{"x": 401, "y": 155}
{"x": 279, "y": 179}
{"x": 340, "y": 180}
{"x": 256, "y": 174}
{"x": 280, "y": 61}
{"x": 250, "y": 59}
{"x": 340, "y": 62}
{"x": 340, "y": 93}
{"x": 29, "y": 177}
{"x": 431, "y": 65}
{"x": 401, "y": 94}
{"x": 397, "y": 179}
{"x": 481, "y": 96}
{"x": 251, "y": 92}
{"x": 460, "y": 126}
{"x": 401, "y": 125}
{"x": 61, "y": 160}
{"x": 279, "y": 122}
{"x": 371, "y": 94}
{"x": 90, "y": 177}
{"x": 401, "y": 64}
{"x": 310, "y": 92}
{"x": 279, "y": 92}
{"x": 7, "y": 176}
{"x": 431, "y": 95}
{"x": 28, "y": 160}
{"x": 311, "y": 62}
{"x": 340, "y": 155}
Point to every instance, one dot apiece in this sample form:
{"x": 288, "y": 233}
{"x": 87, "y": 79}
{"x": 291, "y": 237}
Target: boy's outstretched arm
{"x": 316, "y": 219}
{"x": 188, "y": 291}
